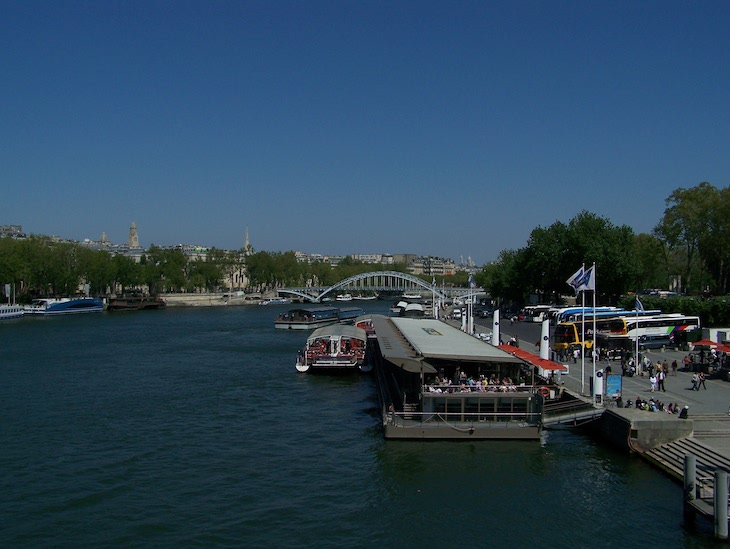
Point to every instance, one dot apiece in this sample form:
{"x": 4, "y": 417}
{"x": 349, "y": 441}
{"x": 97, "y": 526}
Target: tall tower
{"x": 133, "y": 240}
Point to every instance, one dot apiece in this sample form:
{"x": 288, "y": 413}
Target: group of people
{"x": 655, "y": 405}
{"x": 469, "y": 384}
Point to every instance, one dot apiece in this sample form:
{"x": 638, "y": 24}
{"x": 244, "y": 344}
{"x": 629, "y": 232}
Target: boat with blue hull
{"x": 64, "y": 306}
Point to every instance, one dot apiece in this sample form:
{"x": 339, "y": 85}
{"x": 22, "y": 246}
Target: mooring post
{"x": 720, "y": 502}
{"x": 690, "y": 473}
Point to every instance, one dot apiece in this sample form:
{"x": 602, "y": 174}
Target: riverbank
{"x": 210, "y": 300}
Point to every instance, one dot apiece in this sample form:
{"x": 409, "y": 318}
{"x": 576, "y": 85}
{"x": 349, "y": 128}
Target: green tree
{"x": 685, "y": 224}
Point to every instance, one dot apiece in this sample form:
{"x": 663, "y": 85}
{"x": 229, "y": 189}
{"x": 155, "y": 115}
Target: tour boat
{"x": 334, "y": 348}
{"x": 10, "y": 311}
{"x": 63, "y": 306}
{"x": 135, "y": 303}
{"x": 307, "y": 318}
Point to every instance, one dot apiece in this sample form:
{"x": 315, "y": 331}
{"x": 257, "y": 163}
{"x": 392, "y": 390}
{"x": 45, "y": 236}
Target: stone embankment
{"x": 209, "y": 300}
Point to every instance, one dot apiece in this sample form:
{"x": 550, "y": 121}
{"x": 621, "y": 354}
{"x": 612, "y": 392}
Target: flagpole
{"x": 594, "y": 330}
{"x": 583, "y": 337}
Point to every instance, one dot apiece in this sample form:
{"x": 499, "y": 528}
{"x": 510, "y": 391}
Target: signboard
{"x": 613, "y": 386}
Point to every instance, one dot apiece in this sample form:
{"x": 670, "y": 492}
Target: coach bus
{"x": 651, "y": 331}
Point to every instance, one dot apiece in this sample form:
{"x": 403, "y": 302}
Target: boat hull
{"x": 49, "y": 307}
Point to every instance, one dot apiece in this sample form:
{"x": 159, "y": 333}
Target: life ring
{"x": 544, "y": 391}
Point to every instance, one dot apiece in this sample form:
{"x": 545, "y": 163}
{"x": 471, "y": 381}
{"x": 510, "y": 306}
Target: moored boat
{"x": 307, "y": 318}
{"x": 276, "y": 301}
{"x": 10, "y": 311}
{"x": 135, "y": 303}
{"x": 334, "y": 348}
{"x": 344, "y": 297}
{"x": 63, "y": 306}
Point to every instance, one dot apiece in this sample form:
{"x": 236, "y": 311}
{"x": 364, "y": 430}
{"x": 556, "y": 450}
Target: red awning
{"x": 543, "y": 363}
{"x": 705, "y": 343}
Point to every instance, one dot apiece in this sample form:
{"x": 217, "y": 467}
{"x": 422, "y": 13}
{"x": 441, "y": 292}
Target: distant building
{"x": 12, "y": 231}
{"x": 133, "y": 240}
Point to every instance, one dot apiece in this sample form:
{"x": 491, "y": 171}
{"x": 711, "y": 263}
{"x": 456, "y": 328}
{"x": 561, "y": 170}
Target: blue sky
{"x": 444, "y": 128}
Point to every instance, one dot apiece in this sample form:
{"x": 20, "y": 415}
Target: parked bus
{"x": 535, "y": 313}
{"x": 564, "y": 314}
{"x": 576, "y": 317}
{"x": 653, "y": 331}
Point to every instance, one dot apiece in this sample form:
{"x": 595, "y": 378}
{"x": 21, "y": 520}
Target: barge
{"x": 437, "y": 382}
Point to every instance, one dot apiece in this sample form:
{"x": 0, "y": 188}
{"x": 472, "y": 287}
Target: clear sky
{"x": 447, "y": 128}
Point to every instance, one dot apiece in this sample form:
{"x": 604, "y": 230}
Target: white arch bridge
{"x": 379, "y": 281}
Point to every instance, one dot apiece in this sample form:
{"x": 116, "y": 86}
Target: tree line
{"x": 40, "y": 266}
{"x": 690, "y": 246}
{"x": 690, "y": 242}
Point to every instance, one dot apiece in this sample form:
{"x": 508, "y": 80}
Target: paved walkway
{"x": 708, "y": 408}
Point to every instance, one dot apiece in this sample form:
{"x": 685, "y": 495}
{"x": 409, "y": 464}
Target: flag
{"x": 583, "y": 279}
{"x": 590, "y": 283}
{"x": 639, "y": 306}
{"x": 472, "y": 284}
{"x": 575, "y": 280}
{"x": 433, "y": 282}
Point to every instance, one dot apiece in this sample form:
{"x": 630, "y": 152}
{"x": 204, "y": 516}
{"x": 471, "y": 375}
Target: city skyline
{"x": 444, "y": 129}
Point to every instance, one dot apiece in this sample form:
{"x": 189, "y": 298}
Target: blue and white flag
{"x": 472, "y": 284}
{"x": 639, "y": 305}
{"x": 583, "y": 279}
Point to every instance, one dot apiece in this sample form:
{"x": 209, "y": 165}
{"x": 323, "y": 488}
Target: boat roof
{"x": 411, "y": 342}
{"x": 315, "y": 309}
{"x": 338, "y": 330}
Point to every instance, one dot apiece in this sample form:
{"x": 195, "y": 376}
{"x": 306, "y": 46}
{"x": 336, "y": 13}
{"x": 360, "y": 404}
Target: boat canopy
{"x": 533, "y": 359}
{"x": 338, "y": 330}
{"x": 434, "y": 339}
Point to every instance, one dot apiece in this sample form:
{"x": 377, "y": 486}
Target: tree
{"x": 685, "y": 225}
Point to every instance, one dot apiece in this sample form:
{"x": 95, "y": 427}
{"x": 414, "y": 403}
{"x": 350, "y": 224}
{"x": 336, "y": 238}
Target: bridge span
{"x": 379, "y": 281}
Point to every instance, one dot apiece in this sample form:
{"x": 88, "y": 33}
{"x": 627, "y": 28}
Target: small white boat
{"x": 344, "y": 297}
{"x": 276, "y": 301}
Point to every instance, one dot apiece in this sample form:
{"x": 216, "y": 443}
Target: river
{"x": 191, "y": 427}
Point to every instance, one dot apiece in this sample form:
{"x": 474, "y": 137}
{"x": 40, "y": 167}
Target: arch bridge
{"x": 378, "y": 281}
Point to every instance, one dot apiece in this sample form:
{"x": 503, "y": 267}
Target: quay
{"x": 694, "y": 451}
{"x": 422, "y": 366}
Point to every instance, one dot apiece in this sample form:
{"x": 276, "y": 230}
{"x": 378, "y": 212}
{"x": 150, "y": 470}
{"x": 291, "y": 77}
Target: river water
{"x": 191, "y": 427}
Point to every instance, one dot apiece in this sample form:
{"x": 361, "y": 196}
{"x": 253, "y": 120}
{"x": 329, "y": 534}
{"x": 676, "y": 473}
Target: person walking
{"x": 652, "y": 381}
{"x": 701, "y": 378}
{"x": 660, "y": 380}
{"x": 674, "y": 368}
{"x": 695, "y": 382}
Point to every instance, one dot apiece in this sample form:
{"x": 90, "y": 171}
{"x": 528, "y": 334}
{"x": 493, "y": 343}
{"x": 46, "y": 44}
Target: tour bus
{"x": 653, "y": 331}
{"x": 576, "y": 317}
{"x": 563, "y": 315}
{"x": 653, "y": 328}
{"x": 535, "y": 313}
